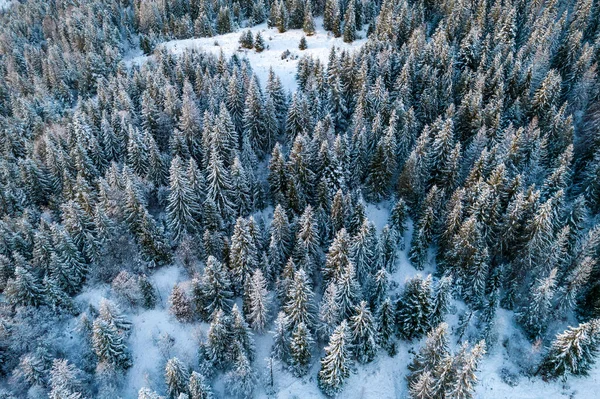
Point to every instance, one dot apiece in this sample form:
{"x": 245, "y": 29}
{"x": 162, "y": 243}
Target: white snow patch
{"x": 378, "y": 214}
{"x": 319, "y": 46}
{"x": 4, "y": 4}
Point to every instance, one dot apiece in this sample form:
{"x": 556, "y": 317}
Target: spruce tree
{"x": 364, "y": 335}
{"x": 198, "y": 388}
{"x": 386, "y": 327}
{"x": 329, "y": 316}
{"x": 300, "y": 349}
{"x": 109, "y": 345}
{"x": 335, "y": 365}
{"x": 281, "y": 338}
{"x": 182, "y": 210}
{"x": 573, "y": 352}
{"x": 413, "y": 309}
{"x": 258, "y": 301}
{"x": 299, "y": 306}
{"x": 176, "y": 377}
{"x": 179, "y": 304}
{"x": 431, "y": 354}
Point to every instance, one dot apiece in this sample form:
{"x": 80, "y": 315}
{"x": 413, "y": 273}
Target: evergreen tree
{"x": 109, "y": 345}
{"x": 182, "y": 210}
{"x": 258, "y": 301}
{"x": 243, "y": 257}
{"x": 259, "y": 43}
{"x": 176, "y": 377}
{"x": 350, "y": 22}
{"x": 465, "y": 379}
{"x": 300, "y": 349}
{"x": 281, "y": 338}
{"x": 535, "y": 314}
{"x": 218, "y": 340}
{"x": 65, "y": 381}
{"x": 179, "y": 304}
{"x": 573, "y": 352}
{"x": 430, "y": 355}
{"x": 364, "y": 336}
{"x": 241, "y": 380}
{"x": 24, "y": 289}
{"x": 308, "y": 24}
{"x": 299, "y": 307}
{"x": 302, "y": 45}
{"x": 335, "y": 365}
{"x": 198, "y": 388}
{"x": 386, "y": 327}
{"x": 413, "y": 309}
{"x": 348, "y": 291}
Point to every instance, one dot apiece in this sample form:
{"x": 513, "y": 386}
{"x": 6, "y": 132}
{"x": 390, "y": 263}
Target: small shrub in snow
{"x": 285, "y": 54}
{"x": 508, "y": 377}
{"x": 302, "y": 45}
{"x": 246, "y": 39}
{"x": 259, "y": 43}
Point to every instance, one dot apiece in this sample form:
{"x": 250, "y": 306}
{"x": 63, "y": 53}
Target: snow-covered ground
{"x": 319, "y": 46}
{"x": 5, "y": 4}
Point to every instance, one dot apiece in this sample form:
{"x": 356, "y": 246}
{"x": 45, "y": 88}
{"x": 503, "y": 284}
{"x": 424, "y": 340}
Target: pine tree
{"x": 431, "y": 354}
{"x": 146, "y": 393}
{"x": 307, "y": 251}
{"x": 535, "y": 314}
{"x": 299, "y": 306}
{"x": 218, "y": 340}
{"x": 302, "y": 45}
{"x": 240, "y": 333}
{"x": 179, "y": 304}
{"x": 364, "y": 336}
{"x": 308, "y": 24}
{"x": 386, "y": 327}
{"x": 109, "y": 345}
{"x": 348, "y": 291}
{"x": 246, "y": 39}
{"x": 258, "y": 301}
{"x": 442, "y": 295}
{"x": 335, "y": 365}
{"x": 281, "y": 338}
{"x": 338, "y": 256}
{"x": 24, "y": 289}
{"x": 218, "y": 184}
{"x": 413, "y": 309}
{"x": 300, "y": 349}
{"x": 182, "y": 210}
{"x": 254, "y": 119}
{"x": 176, "y": 377}
{"x": 465, "y": 378}
{"x": 243, "y": 257}
{"x": 350, "y": 22}
{"x": 573, "y": 352}
{"x": 198, "y": 388}
{"x": 65, "y": 381}
{"x": 364, "y": 251}
{"x": 241, "y": 380}
{"x": 423, "y": 386}
{"x": 259, "y": 43}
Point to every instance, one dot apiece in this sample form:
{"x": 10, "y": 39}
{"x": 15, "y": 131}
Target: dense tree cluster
{"x": 478, "y": 121}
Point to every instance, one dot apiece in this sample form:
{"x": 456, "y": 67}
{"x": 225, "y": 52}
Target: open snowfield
{"x": 319, "y": 46}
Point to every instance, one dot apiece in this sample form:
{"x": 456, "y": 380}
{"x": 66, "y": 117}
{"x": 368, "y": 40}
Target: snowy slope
{"x": 276, "y": 43}
{"x": 5, "y": 4}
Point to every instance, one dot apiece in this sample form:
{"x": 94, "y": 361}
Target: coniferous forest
{"x": 423, "y": 204}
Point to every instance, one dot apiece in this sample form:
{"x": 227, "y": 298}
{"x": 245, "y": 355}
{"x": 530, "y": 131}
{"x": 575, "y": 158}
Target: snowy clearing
{"x": 319, "y": 46}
